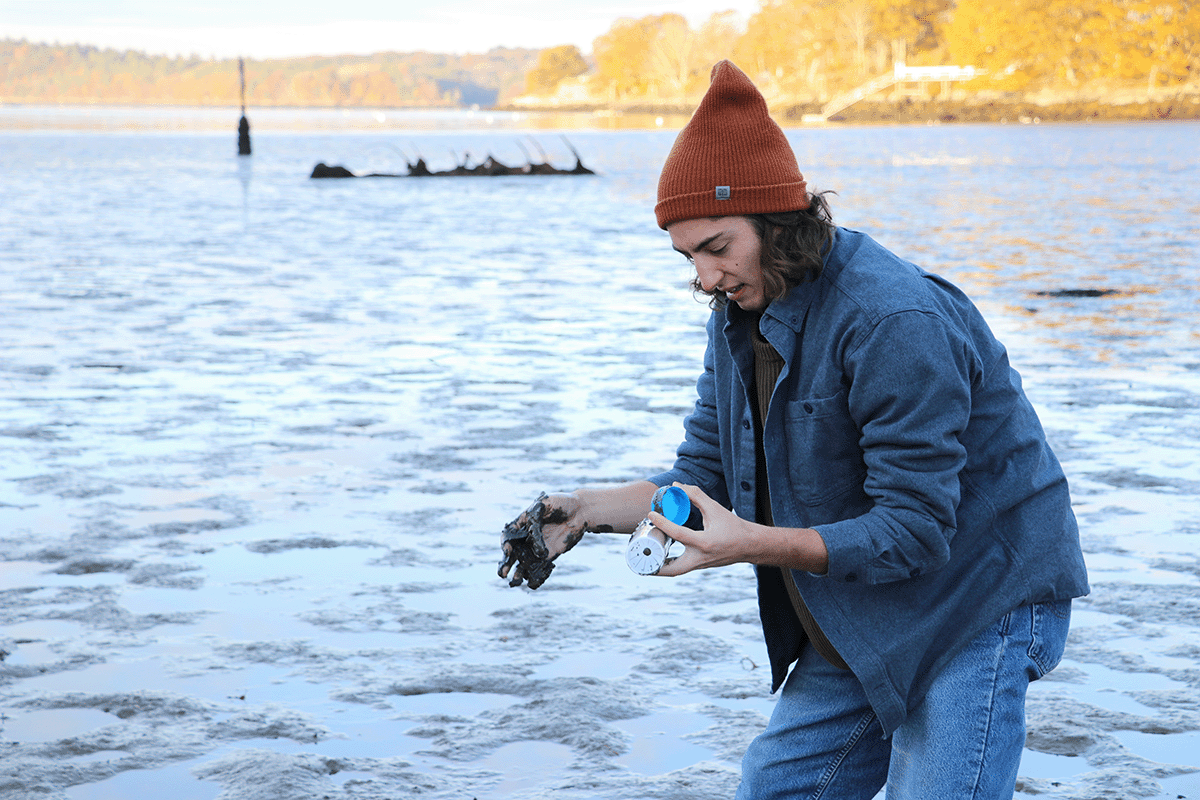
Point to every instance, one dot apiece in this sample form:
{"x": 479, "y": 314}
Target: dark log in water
{"x": 323, "y": 171}
{"x": 1077, "y": 293}
{"x": 489, "y": 167}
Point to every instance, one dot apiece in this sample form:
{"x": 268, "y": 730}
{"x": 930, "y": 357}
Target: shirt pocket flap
{"x": 824, "y": 457}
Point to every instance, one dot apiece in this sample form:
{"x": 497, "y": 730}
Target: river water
{"x": 261, "y": 433}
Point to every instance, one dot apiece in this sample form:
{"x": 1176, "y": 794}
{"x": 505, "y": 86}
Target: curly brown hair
{"x": 793, "y": 246}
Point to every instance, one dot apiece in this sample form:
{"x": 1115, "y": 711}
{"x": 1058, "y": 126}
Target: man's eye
{"x": 716, "y": 251}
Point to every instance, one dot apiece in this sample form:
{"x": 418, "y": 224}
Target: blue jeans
{"x": 963, "y": 741}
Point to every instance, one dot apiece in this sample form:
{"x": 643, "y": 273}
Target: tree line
{"x": 797, "y": 51}
{"x": 41, "y": 73}
{"x": 810, "y": 50}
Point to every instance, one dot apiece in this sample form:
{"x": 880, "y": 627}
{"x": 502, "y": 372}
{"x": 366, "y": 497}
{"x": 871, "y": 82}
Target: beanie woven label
{"x": 730, "y": 159}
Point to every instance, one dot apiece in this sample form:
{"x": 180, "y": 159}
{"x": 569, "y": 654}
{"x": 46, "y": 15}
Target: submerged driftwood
{"x": 489, "y": 167}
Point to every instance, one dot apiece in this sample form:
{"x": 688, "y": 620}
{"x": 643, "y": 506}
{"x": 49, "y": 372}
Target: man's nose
{"x": 709, "y": 276}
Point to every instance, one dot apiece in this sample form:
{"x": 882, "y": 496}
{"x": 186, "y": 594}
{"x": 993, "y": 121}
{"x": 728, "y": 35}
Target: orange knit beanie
{"x": 730, "y": 159}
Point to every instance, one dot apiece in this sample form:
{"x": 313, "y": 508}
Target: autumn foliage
{"x": 797, "y": 51}
{"x": 1032, "y": 43}
{"x": 809, "y": 50}
{"x": 81, "y": 74}
{"x": 554, "y": 65}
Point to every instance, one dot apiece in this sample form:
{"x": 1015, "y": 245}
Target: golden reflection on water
{"x": 1126, "y": 325}
{"x": 1041, "y": 270}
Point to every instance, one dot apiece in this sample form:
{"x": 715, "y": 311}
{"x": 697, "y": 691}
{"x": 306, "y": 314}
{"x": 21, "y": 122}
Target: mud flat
{"x": 261, "y": 435}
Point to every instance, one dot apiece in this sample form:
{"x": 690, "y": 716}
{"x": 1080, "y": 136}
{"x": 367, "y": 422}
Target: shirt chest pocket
{"x": 824, "y": 459}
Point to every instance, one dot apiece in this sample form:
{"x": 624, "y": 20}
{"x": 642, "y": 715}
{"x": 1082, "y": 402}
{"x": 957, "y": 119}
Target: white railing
{"x": 905, "y": 73}
{"x": 901, "y": 73}
{"x": 847, "y": 99}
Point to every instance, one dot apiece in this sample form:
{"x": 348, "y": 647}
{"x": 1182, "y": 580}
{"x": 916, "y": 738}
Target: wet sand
{"x": 261, "y": 438}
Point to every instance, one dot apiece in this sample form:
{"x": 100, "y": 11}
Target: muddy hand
{"x": 542, "y": 533}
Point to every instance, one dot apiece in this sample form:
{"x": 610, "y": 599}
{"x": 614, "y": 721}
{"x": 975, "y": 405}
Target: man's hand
{"x": 728, "y": 539}
{"x": 551, "y": 526}
{"x": 716, "y": 545}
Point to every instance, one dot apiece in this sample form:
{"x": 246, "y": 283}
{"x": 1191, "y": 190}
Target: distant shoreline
{"x": 1180, "y": 107}
{"x": 1021, "y": 111}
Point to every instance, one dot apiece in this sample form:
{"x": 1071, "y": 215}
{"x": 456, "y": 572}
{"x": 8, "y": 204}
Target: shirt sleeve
{"x": 910, "y": 387}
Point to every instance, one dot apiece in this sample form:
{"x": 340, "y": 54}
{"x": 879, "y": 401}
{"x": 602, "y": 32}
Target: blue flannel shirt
{"x": 899, "y": 431}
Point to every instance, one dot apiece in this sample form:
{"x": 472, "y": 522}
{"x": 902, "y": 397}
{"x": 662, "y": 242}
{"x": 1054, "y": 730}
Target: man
{"x": 861, "y": 439}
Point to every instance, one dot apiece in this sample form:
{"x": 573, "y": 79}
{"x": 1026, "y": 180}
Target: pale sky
{"x": 282, "y": 28}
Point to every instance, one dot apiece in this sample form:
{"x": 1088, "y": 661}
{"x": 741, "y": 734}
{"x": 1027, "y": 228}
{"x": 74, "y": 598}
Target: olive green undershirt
{"x": 767, "y": 366}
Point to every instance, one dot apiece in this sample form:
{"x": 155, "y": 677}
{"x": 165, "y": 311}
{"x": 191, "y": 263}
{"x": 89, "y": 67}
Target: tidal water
{"x": 260, "y": 434}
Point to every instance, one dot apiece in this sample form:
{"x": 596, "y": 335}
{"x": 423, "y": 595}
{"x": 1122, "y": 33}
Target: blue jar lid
{"x": 673, "y": 503}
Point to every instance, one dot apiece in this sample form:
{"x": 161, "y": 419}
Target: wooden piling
{"x": 243, "y": 123}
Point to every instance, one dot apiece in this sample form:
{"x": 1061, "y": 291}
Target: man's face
{"x": 726, "y": 252}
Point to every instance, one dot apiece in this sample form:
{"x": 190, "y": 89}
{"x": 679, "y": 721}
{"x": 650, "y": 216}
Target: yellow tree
{"x": 1000, "y": 36}
{"x": 671, "y": 60}
{"x": 784, "y": 46}
{"x": 1027, "y": 44}
{"x": 810, "y": 49}
{"x": 715, "y": 40}
{"x": 1160, "y": 41}
{"x": 920, "y": 23}
{"x": 554, "y": 65}
{"x": 855, "y": 31}
{"x": 623, "y": 54}
{"x": 681, "y": 59}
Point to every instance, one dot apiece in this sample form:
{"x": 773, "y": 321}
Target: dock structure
{"x": 903, "y": 77}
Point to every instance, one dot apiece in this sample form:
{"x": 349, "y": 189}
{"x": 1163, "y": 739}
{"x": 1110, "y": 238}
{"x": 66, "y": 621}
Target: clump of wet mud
{"x": 525, "y": 547}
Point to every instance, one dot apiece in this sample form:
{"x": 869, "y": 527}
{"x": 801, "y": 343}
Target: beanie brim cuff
{"x": 742, "y": 200}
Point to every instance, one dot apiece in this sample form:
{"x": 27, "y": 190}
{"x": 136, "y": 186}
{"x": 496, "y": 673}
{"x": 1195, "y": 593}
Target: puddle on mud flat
{"x": 51, "y": 724}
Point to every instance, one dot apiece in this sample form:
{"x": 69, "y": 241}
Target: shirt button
{"x": 746, "y": 424}
{"x": 851, "y": 577}
{"x": 808, "y": 409}
{"x": 746, "y": 486}
{"x": 915, "y": 572}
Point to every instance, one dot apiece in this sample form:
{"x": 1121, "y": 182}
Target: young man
{"x": 862, "y": 440}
